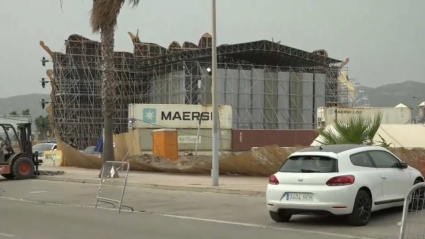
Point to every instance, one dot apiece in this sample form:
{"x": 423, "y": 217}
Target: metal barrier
{"x": 413, "y": 219}
{"x": 111, "y": 172}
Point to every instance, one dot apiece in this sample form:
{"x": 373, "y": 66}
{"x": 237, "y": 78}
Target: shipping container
{"x": 244, "y": 140}
{"x": 329, "y": 115}
{"x": 176, "y": 116}
{"x": 187, "y": 139}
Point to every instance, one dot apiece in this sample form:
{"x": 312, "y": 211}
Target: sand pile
{"x": 262, "y": 161}
{"x": 75, "y": 158}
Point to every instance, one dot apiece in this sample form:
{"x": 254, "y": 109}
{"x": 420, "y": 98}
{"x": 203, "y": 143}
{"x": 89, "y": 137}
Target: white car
{"x": 352, "y": 180}
{"x": 42, "y": 147}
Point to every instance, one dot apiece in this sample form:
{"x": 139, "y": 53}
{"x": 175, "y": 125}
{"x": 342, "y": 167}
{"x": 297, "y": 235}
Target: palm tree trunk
{"x": 108, "y": 91}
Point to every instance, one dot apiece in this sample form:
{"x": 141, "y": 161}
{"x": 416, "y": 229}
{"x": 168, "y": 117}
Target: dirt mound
{"x": 262, "y": 161}
{"x": 75, "y": 158}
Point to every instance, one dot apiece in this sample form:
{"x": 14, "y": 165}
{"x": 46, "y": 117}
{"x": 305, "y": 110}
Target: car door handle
{"x": 384, "y": 177}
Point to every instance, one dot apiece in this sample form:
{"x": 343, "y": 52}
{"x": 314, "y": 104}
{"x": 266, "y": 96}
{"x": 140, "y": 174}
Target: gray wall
{"x": 168, "y": 88}
{"x": 283, "y": 103}
{"x": 295, "y": 99}
{"x": 271, "y": 100}
{"x": 205, "y": 96}
{"x": 258, "y": 95}
{"x": 320, "y": 89}
{"x": 261, "y": 99}
{"x": 206, "y": 139}
{"x": 307, "y": 101}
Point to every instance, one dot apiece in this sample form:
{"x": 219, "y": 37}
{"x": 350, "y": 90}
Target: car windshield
{"x": 42, "y": 147}
{"x": 309, "y": 164}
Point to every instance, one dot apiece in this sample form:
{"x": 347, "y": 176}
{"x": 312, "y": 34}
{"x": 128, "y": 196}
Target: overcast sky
{"x": 384, "y": 39}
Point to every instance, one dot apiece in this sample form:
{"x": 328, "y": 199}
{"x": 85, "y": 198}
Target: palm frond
{"x": 105, "y": 12}
{"x": 383, "y": 143}
{"x": 357, "y": 130}
{"x": 374, "y": 126}
{"x": 328, "y": 137}
{"x": 352, "y": 131}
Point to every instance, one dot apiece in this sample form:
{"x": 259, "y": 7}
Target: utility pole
{"x": 214, "y": 171}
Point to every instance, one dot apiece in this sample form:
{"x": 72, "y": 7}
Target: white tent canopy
{"x": 401, "y": 105}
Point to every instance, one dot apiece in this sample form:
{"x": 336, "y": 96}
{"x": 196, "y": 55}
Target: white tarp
{"x": 401, "y": 105}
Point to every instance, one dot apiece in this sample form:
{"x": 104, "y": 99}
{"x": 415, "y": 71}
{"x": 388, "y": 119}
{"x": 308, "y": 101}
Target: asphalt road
{"x": 185, "y": 214}
{"x": 22, "y": 220}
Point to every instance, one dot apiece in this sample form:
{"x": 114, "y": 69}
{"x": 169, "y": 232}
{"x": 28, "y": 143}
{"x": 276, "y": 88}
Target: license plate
{"x": 299, "y": 197}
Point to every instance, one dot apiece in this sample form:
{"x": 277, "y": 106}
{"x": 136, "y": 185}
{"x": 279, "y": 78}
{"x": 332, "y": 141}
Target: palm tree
{"x": 26, "y": 112}
{"x": 358, "y": 130}
{"x": 104, "y": 14}
{"x": 42, "y": 126}
{"x": 103, "y": 19}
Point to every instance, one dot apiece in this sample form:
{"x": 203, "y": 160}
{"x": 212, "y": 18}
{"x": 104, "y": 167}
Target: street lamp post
{"x": 215, "y": 171}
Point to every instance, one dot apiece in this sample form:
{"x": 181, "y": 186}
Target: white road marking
{"x": 196, "y": 219}
{"x": 263, "y": 226}
{"x": 6, "y": 235}
{"x": 38, "y": 192}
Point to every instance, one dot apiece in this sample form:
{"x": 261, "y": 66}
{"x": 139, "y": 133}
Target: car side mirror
{"x": 403, "y": 165}
{"x": 36, "y": 153}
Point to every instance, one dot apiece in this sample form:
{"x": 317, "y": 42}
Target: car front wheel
{"x": 362, "y": 209}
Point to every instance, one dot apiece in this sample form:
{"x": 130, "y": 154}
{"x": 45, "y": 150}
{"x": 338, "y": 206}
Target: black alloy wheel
{"x": 362, "y": 209}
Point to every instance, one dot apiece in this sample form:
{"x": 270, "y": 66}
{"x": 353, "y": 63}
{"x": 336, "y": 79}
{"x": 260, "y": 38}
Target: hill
{"x": 22, "y": 102}
{"x": 392, "y": 94}
{"x": 383, "y": 96}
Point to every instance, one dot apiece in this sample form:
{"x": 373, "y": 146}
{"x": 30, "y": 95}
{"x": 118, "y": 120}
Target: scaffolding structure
{"x": 270, "y": 86}
{"x": 77, "y": 106}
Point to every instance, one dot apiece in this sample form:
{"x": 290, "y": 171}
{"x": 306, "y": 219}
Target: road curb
{"x": 156, "y": 186}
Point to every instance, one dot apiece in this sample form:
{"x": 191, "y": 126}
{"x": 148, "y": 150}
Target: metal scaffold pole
{"x": 215, "y": 171}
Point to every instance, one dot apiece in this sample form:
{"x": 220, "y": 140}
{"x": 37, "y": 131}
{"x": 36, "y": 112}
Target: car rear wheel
{"x": 418, "y": 198}
{"x": 280, "y": 216}
{"x": 362, "y": 209}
